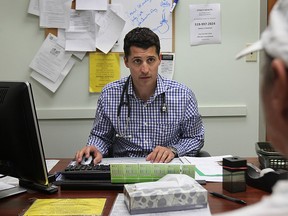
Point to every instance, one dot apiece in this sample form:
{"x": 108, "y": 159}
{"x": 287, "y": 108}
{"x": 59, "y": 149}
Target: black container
{"x": 234, "y": 174}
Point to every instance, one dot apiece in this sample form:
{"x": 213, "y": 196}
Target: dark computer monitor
{"x": 21, "y": 151}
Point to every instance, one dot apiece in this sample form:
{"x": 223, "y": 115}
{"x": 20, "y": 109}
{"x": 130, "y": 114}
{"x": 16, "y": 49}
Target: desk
{"x": 16, "y": 204}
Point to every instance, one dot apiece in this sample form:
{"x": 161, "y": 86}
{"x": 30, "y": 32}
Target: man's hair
{"x": 141, "y": 37}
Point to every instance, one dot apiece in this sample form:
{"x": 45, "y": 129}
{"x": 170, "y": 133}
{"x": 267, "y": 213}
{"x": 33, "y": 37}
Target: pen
{"x": 173, "y": 5}
{"x": 228, "y": 198}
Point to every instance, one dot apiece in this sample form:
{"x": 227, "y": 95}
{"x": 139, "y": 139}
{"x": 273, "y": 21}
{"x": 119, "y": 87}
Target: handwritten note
{"x": 147, "y": 13}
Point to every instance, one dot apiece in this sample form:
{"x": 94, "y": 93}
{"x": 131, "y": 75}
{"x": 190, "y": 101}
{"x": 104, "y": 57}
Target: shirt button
{"x": 145, "y": 142}
{"x": 145, "y": 124}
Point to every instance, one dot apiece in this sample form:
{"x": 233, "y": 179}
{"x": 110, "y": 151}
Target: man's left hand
{"x": 160, "y": 155}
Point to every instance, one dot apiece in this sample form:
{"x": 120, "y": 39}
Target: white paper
{"x": 119, "y": 208}
{"x": 10, "y": 182}
{"x": 81, "y": 21}
{"x": 111, "y": 25}
{"x": 61, "y": 41}
{"x": 92, "y": 5}
{"x": 80, "y": 41}
{"x": 50, "y": 59}
{"x": 5, "y": 186}
{"x": 149, "y": 14}
{"x": 166, "y": 68}
{"x": 50, "y": 164}
{"x": 34, "y": 7}
{"x": 210, "y": 168}
{"x": 79, "y": 55}
{"x": 54, "y": 13}
{"x": 205, "y": 24}
{"x": 53, "y": 86}
{"x": 81, "y": 36}
{"x": 136, "y": 160}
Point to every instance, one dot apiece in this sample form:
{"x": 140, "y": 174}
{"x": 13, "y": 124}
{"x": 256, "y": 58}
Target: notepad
{"x": 71, "y": 206}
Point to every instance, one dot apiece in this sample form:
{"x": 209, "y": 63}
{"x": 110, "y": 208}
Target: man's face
{"x": 143, "y": 65}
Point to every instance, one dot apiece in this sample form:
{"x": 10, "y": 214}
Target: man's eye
{"x": 137, "y": 61}
{"x": 151, "y": 60}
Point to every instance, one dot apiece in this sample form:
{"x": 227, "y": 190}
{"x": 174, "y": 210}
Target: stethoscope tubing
{"x": 127, "y": 103}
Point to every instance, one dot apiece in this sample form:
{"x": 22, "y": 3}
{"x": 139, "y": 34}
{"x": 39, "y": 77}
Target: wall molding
{"x": 89, "y": 113}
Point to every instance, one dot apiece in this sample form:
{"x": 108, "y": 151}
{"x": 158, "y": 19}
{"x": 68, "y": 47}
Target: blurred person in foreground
{"x": 274, "y": 91}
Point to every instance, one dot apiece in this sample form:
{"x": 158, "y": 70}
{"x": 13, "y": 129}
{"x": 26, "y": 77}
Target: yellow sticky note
{"x": 77, "y": 206}
{"x": 104, "y": 68}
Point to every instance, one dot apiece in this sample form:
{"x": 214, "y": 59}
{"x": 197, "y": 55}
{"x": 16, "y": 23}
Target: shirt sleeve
{"x": 192, "y": 138}
{"x": 101, "y": 135}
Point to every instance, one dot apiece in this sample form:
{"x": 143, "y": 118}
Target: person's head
{"x": 142, "y": 57}
{"x": 274, "y": 89}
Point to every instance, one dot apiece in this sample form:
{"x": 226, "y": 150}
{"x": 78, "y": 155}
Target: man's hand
{"x": 160, "y": 155}
{"x": 87, "y": 151}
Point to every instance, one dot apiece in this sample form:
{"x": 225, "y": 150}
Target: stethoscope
{"x": 164, "y": 109}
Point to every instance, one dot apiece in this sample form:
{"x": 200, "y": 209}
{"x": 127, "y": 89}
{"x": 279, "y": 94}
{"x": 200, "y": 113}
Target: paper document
{"x": 53, "y": 86}
{"x": 205, "y": 24}
{"x": 119, "y": 208}
{"x": 91, "y": 4}
{"x": 50, "y": 164}
{"x": 81, "y": 35}
{"x": 207, "y": 168}
{"x": 61, "y": 206}
{"x": 50, "y": 59}
{"x": 10, "y": 182}
{"x": 111, "y": 26}
{"x": 61, "y": 40}
{"x": 4, "y": 186}
{"x": 136, "y": 160}
{"x": 54, "y": 13}
{"x": 152, "y": 14}
{"x": 103, "y": 69}
{"x": 33, "y": 7}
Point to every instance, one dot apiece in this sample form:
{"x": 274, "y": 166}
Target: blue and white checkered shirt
{"x": 181, "y": 126}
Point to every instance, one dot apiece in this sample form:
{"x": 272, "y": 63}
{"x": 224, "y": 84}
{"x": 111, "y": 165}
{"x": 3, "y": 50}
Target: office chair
{"x": 203, "y": 153}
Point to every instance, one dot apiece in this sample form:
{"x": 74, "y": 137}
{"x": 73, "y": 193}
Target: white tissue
{"x": 168, "y": 181}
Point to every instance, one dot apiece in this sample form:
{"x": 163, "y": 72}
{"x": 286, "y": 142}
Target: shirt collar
{"x": 160, "y": 86}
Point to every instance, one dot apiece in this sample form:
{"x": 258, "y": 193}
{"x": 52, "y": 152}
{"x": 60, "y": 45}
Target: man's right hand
{"x": 87, "y": 151}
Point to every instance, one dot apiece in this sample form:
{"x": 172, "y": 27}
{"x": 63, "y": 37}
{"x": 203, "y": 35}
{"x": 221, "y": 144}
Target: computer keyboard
{"x": 77, "y": 171}
{"x": 78, "y": 176}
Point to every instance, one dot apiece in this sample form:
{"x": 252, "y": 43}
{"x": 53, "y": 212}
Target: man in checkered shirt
{"x": 145, "y": 115}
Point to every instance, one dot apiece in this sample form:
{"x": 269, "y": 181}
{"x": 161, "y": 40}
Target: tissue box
{"x": 173, "y": 192}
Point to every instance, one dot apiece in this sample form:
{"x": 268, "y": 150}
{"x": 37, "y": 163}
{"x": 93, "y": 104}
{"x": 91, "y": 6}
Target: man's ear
{"x": 126, "y": 61}
{"x": 280, "y": 86}
{"x": 160, "y": 57}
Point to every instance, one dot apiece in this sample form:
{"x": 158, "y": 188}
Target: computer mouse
{"x": 86, "y": 161}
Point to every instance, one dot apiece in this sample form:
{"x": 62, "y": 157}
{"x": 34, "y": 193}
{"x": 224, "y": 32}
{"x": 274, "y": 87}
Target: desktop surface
{"x": 15, "y": 205}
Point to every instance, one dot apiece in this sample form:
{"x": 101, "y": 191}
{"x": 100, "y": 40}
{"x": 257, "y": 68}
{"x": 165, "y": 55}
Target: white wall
{"x": 227, "y": 90}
